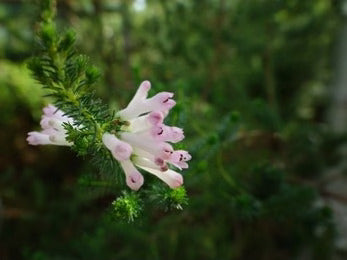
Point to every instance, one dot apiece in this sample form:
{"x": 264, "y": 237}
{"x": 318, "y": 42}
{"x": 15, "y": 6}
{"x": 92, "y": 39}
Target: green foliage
{"x": 266, "y": 181}
{"x": 252, "y": 80}
{"x": 246, "y": 207}
{"x": 126, "y": 207}
{"x": 69, "y": 78}
{"x": 15, "y": 81}
{"x": 169, "y": 198}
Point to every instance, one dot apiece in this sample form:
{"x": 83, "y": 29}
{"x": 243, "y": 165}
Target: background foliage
{"x": 251, "y": 80}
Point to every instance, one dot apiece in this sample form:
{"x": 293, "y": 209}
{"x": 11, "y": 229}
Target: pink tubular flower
{"x": 145, "y": 162}
{"x": 134, "y": 178}
{"x": 165, "y": 133}
{"x": 52, "y": 111}
{"x": 140, "y": 104}
{"x": 170, "y": 177}
{"x": 53, "y": 131}
{"x": 146, "y": 122}
{"x": 37, "y": 138}
{"x": 148, "y": 137}
{"x": 160, "y": 149}
{"x": 120, "y": 150}
{"x": 179, "y": 159}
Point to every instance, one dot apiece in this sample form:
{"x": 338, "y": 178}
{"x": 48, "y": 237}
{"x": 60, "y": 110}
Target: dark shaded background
{"x": 253, "y": 81}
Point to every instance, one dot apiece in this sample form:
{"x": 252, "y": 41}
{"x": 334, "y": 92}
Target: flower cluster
{"x": 53, "y": 131}
{"x": 142, "y": 142}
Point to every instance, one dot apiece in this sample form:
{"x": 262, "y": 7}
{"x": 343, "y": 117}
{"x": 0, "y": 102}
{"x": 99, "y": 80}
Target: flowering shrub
{"x": 142, "y": 139}
{"x": 136, "y": 137}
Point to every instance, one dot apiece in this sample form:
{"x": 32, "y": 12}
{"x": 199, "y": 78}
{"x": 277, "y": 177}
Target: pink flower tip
{"x": 161, "y": 101}
{"x": 177, "y": 134}
{"x": 163, "y": 97}
{"x": 134, "y": 180}
{"x": 37, "y": 138}
{"x": 186, "y": 155}
{"x": 170, "y": 104}
{"x": 179, "y": 159}
{"x": 177, "y": 180}
{"x": 155, "y": 118}
{"x": 49, "y": 110}
{"x": 53, "y": 111}
{"x": 31, "y": 139}
{"x": 120, "y": 150}
{"x": 145, "y": 85}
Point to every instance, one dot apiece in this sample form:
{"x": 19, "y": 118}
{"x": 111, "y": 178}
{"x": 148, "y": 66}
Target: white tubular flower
{"x": 179, "y": 159}
{"x": 159, "y": 149}
{"x": 37, "y": 138}
{"x": 59, "y": 139}
{"x": 170, "y": 177}
{"x": 145, "y": 162}
{"x": 163, "y": 133}
{"x": 120, "y": 150}
{"x": 140, "y": 104}
{"x": 52, "y": 111}
{"x": 145, "y": 137}
{"x": 51, "y": 122}
{"x": 134, "y": 178}
{"x": 146, "y": 122}
{"x": 53, "y": 131}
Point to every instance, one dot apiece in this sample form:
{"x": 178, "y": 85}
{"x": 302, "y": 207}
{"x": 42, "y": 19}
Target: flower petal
{"x": 134, "y": 178}
{"x": 144, "y": 162}
{"x": 37, "y": 138}
{"x": 120, "y": 150}
{"x": 145, "y": 122}
{"x": 59, "y": 139}
{"x": 158, "y": 149}
{"x": 170, "y": 177}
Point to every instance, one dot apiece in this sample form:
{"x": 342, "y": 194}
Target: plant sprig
{"x": 69, "y": 79}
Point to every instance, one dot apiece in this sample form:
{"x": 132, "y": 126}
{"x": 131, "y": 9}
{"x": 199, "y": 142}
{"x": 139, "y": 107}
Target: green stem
{"x": 74, "y": 98}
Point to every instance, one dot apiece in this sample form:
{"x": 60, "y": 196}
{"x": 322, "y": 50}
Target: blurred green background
{"x": 254, "y": 81}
